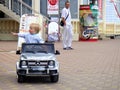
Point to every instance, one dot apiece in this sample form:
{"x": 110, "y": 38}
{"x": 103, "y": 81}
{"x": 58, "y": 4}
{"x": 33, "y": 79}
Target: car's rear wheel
{"x": 54, "y": 78}
{"x": 21, "y": 79}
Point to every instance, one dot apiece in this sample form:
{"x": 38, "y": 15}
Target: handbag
{"x": 61, "y": 22}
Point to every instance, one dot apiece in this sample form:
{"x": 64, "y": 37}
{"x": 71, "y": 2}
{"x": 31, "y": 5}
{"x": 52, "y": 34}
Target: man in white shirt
{"x": 67, "y": 33}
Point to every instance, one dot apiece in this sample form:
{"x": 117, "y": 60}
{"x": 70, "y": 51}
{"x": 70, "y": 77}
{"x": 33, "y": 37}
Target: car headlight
{"x": 23, "y": 64}
{"x": 51, "y": 63}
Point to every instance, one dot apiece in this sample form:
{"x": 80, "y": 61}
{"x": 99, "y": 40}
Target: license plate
{"x": 39, "y": 69}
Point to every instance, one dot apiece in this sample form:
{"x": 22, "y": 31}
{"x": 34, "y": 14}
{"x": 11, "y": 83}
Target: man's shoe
{"x": 70, "y": 48}
{"x": 64, "y": 48}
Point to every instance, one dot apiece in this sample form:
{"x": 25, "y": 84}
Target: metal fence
{"x": 16, "y": 6}
{"x": 20, "y": 7}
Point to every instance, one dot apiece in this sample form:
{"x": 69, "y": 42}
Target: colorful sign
{"x": 89, "y": 22}
{"x": 53, "y": 7}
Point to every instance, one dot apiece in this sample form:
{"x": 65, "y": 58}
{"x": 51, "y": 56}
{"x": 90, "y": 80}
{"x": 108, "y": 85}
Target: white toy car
{"x": 38, "y": 60}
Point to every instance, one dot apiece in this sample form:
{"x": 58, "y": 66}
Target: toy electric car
{"x": 38, "y": 60}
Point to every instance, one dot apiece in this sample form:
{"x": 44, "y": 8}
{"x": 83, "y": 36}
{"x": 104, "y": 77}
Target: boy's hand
{"x": 15, "y": 34}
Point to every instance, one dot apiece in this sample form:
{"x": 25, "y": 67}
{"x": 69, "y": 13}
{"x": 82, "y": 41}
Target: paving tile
{"x": 90, "y": 66}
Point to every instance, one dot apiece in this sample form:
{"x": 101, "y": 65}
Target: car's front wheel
{"x": 21, "y": 79}
{"x": 54, "y": 78}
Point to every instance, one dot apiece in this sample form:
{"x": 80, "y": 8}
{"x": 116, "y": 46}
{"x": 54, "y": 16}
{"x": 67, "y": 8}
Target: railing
{"x": 109, "y": 29}
{"x": 20, "y": 7}
{"x": 16, "y": 6}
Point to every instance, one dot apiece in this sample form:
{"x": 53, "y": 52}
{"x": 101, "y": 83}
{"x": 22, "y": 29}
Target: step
{"x": 10, "y": 13}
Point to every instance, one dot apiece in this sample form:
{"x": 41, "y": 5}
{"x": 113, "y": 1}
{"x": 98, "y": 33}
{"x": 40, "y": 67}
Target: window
{"x": 112, "y": 14}
{"x": 85, "y": 2}
{"x": 118, "y": 7}
{"x": 74, "y": 8}
{"x": 29, "y": 2}
{"x": 43, "y": 7}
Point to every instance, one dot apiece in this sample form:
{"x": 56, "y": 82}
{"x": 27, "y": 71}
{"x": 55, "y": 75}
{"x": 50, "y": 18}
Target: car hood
{"x": 38, "y": 56}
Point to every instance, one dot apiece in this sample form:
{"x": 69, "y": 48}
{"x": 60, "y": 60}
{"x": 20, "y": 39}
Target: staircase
{"x": 10, "y": 13}
{"x": 15, "y": 8}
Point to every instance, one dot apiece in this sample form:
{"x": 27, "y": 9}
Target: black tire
{"x": 21, "y": 79}
{"x": 54, "y": 78}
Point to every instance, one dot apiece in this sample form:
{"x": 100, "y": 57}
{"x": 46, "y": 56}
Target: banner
{"x": 89, "y": 22}
{"x": 52, "y": 7}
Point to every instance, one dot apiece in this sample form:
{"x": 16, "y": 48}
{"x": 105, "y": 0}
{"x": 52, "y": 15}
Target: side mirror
{"x": 18, "y": 52}
{"x": 57, "y": 52}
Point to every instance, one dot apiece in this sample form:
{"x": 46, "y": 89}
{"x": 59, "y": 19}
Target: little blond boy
{"x": 32, "y": 36}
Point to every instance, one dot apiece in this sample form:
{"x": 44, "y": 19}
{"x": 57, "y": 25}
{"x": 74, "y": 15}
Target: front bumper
{"x": 37, "y": 71}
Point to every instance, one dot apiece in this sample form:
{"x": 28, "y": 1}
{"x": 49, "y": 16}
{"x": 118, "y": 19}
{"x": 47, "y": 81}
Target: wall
{"x": 6, "y": 27}
{"x": 109, "y": 29}
{"x": 36, "y": 5}
{"x": 110, "y": 25}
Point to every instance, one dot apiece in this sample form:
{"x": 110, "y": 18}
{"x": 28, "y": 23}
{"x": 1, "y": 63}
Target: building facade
{"x": 11, "y": 10}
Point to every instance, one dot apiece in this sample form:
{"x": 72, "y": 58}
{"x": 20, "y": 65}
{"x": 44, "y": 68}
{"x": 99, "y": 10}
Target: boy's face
{"x": 32, "y": 30}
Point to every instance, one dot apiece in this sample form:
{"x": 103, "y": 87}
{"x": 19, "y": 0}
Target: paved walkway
{"x": 90, "y": 66}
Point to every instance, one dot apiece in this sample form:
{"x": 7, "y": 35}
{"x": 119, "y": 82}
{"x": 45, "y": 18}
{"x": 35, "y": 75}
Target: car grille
{"x": 37, "y": 72}
{"x": 37, "y": 63}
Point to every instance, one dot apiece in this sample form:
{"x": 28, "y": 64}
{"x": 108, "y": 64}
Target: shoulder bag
{"x": 61, "y": 22}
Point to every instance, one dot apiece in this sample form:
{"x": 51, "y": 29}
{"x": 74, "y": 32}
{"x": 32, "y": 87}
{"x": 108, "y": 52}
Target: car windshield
{"x": 38, "y": 48}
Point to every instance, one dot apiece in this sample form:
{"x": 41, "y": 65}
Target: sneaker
{"x": 70, "y": 48}
{"x": 64, "y": 48}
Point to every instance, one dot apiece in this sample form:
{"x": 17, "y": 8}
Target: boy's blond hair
{"x": 35, "y": 26}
